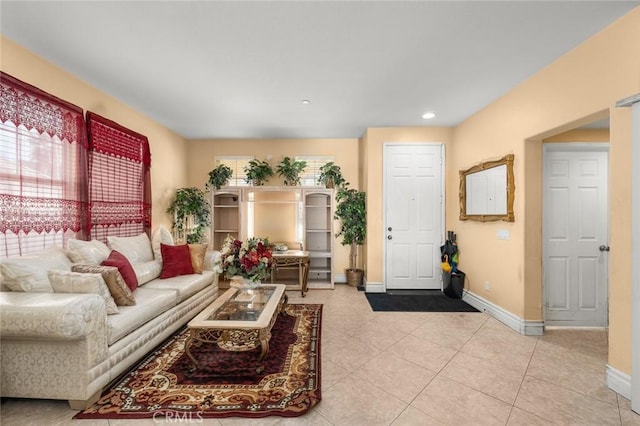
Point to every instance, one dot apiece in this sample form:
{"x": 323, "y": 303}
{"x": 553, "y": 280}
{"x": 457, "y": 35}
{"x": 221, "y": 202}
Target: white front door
{"x": 575, "y": 234}
{"x": 413, "y": 218}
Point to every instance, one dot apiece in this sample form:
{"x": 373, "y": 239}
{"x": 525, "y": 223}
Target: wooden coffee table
{"x": 238, "y": 320}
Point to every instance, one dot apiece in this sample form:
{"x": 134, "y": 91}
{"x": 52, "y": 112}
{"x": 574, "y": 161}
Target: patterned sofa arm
{"x": 53, "y": 316}
{"x": 54, "y": 345}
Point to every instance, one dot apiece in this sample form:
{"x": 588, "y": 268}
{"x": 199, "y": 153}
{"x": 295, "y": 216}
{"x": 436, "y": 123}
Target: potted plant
{"x": 258, "y": 172}
{"x": 219, "y": 176}
{"x": 351, "y": 212}
{"x": 290, "y": 170}
{"x": 191, "y": 215}
{"x": 330, "y": 175}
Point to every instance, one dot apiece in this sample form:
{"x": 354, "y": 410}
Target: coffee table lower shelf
{"x": 238, "y": 335}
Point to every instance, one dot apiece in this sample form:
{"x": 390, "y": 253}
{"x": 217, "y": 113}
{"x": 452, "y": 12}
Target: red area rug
{"x": 226, "y": 384}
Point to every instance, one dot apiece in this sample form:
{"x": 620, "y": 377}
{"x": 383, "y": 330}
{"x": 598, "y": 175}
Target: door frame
{"x": 633, "y": 102}
{"x": 384, "y": 198}
{"x": 574, "y": 147}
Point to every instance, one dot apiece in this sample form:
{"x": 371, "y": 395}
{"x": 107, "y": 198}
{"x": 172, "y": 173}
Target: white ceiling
{"x": 211, "y": 69}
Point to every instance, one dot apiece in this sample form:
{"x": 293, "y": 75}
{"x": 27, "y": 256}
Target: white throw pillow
{"x": 136, "y": 249}
{"x": 147, "y": 271}
{"x": 77, "y": 282}
{"x": 29, "y": 273}
{"x": 160, "y": 235}
{"x": 92, "y": 252}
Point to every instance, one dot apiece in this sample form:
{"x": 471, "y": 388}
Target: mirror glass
{"x": 487, "y": 191}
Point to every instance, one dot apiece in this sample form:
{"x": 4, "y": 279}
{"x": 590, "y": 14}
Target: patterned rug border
{"x": 312, "y": 397}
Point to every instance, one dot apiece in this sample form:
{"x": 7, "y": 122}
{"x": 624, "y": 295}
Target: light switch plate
{"x": 502, "y": 234}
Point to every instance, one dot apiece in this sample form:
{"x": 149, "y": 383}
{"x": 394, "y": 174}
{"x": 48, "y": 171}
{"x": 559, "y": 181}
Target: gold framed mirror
{"x": 487, "y": 191}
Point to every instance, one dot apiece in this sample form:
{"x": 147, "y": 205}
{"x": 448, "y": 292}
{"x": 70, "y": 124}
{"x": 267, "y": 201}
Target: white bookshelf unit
{"x": 226, "y": 215}
{"x": 318, "y": 235}
{"x": 299, "y": 216}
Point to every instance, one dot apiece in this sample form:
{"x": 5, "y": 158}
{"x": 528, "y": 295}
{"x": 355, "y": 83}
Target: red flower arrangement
{"x": 250, "y": 259}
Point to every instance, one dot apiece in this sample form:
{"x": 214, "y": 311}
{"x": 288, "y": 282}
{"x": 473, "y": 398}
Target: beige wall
{"x": 372, "y": 152}
{"x": 168, "y": 150}
{"x": 581, "y": 86}
{"x": 580, "y": 135}
{"x": 201, "y": 159}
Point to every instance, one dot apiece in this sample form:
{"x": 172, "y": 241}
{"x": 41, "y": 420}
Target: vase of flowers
{"x": 245, "y": 263}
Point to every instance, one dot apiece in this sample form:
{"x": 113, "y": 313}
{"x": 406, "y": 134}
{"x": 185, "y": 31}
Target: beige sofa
{"x": 64, "y": 345}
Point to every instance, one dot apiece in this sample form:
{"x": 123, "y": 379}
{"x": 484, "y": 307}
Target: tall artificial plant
{"x": 290, "y": 170}
{"x": 351, "y": 212}
{"x": 191, "y": 214}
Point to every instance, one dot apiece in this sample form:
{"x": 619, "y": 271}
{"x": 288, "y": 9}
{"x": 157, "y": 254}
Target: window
{"x": 119, "y": 180}
{"x": 310, "y": 175}
{"x": 43, "y": 169}
{"x": 237, "y": 164}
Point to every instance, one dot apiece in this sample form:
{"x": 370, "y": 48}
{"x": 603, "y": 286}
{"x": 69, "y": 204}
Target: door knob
{"x": 389, "y": 229}
{"x": 389, "y": 237}
{"x": 603, "y": 248}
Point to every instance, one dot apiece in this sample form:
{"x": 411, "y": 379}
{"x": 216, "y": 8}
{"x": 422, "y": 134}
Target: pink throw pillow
{"x": 118, "y": 260}
{"x": 176, "y": 260}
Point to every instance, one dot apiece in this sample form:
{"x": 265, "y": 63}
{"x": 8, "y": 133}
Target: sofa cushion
{"x": 136, "y": 249}
{"x": 29, "y": 273}
{"x": 118, "y": 260}
{"x": 160, "y": 236}
{"x": 184, "y": 286}
{"x": 87, "y": 252}
{"x": 176, "y": 260}
{"x": 198, "y": 252}
{"x": 76, "y": 282}
{"x": 149, "y": 304}
{"x": 112, "y": 277}
{"x": 147, "y": 271}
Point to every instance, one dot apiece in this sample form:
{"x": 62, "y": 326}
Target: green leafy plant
{"x": 352, "y": 213}
{"x": 219, "y": 176}
{"x": 258, "y": 172}
{"x": 290, "y": 170}
{"x": 330, "y": 175}
{"x": 191, "y": 214}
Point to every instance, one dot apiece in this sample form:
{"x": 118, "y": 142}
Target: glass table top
{"x": 244, "y": 305}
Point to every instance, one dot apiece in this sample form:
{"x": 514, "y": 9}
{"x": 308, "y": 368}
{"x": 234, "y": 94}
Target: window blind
{"x": 309, "y": 177}
{"x": 237, "y": 164}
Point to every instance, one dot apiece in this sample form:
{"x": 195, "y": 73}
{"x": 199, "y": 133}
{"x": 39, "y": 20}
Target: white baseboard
{"x": 371, "y": 287}
{"x": 522, "y": 326}
{"x": 618, "y": 381}
{"x": 340, "y": 278}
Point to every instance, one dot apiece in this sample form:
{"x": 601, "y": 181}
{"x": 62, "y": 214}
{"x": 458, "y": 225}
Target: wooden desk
{"x": 292, "y": 259}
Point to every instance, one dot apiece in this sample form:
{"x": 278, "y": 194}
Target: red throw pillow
{"x": 118, "y": 260}
{"x": 176, "y": 260}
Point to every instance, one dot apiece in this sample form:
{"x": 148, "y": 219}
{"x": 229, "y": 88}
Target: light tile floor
{"x": 397, "y": 368}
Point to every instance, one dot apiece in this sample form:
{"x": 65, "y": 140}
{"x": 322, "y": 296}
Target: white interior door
{"x": 575, "y": 232}
{"x": 413, "y": 221}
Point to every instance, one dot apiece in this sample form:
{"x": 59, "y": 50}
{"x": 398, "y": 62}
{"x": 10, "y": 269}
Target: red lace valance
{"x": 109, "y": 137}
{"x": 26, "y": 105}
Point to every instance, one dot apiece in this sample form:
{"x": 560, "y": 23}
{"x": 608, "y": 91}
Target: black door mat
{"x": 416, "y": 301}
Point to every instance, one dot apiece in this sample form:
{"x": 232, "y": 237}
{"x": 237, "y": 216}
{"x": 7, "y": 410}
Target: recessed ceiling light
{"x": 306, "y": 101}
{"x": 428, "y": 115}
